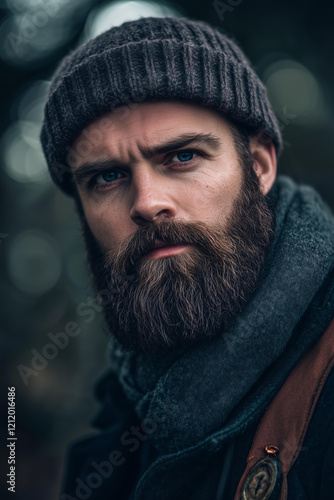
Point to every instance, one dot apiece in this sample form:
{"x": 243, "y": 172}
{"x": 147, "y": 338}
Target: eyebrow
{"x": 95, "y": 166}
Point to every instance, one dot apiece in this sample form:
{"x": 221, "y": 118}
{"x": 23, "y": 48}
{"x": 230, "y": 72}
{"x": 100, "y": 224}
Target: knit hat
{"x": 151, "y": 59}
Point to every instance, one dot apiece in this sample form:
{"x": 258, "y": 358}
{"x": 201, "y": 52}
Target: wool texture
{"x": 150, "y": 59}
{"x": 201, "y": 386}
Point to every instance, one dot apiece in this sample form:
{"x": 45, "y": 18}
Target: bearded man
{"x": 218, "y": 272}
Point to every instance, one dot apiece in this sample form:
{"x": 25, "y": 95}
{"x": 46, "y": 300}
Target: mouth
{"x": 165, "y": 249}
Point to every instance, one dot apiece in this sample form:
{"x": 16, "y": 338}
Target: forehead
{"x": 143, "y": 124}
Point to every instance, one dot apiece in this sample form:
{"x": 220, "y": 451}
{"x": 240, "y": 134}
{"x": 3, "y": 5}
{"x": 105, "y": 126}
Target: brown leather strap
{"x": 285, "y": 423}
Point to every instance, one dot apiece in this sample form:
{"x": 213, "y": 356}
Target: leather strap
{"x": 285, "y": 422}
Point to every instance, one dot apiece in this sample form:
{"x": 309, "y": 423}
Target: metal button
{"x": 263, "y": 481}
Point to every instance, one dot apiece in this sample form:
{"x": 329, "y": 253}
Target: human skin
{"x": 139, "y": 188}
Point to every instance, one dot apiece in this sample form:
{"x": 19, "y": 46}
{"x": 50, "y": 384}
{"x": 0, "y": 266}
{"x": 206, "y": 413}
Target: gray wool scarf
{"x": 184, "y": 396}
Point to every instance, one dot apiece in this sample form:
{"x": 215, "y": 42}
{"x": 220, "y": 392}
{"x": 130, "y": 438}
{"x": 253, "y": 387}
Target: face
{"x": 168, "y": 207}
{"x": 148, "y": 167}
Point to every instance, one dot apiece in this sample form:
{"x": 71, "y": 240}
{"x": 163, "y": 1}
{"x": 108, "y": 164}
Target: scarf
{"x": 184, "y": 396}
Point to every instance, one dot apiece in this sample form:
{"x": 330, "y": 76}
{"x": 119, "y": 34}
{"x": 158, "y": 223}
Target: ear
{"x": 265, "y": 162}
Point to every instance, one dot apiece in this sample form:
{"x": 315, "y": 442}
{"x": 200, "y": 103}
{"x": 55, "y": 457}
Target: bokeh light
{"x": 34, "y": 29}
{"x": 115, "y": 13}
{"x": 295, "y": 92}
{"x": 20, "y": 144}
{"x": 23, "y": 158}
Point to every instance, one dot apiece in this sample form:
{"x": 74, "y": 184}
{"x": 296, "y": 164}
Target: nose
{"x": 150, "y": 199}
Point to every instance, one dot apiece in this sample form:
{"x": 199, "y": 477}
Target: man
{"x": 216, "y": 276}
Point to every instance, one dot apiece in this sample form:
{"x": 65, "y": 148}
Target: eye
{"x": 183, "y": 156}
{"x": 107, "y": 177}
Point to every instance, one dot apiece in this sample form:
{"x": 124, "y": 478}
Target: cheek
{"x": 110, "y": 228}
{"x": 212, "y": 196}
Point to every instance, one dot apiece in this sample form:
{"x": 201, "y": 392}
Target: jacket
{"x": 131, "y": 459}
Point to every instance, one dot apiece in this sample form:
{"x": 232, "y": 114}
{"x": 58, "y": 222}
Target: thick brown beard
{"x": 181, "y": 300}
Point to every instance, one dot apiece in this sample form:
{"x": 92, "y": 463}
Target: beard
{"x": 156, "y": 305}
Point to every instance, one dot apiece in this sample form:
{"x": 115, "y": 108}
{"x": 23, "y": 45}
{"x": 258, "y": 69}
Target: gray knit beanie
{"x": 151, "y": 59}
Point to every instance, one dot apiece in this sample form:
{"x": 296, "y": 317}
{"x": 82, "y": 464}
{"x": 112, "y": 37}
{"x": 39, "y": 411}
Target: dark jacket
{"x": 199, "y": 474}
{"x": 121, "y": 462}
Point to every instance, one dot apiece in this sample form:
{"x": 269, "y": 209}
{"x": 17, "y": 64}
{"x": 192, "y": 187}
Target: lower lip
{"x": 166, "y": 251}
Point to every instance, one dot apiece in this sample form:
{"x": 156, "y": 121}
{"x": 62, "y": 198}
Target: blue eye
{"x": 107, "y": 177}
{"x": 185, "y": 155}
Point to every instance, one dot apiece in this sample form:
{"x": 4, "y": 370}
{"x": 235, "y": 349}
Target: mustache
{"x": 169, "y": 231}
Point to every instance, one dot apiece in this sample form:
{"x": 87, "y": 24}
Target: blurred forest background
{"x": 43, "y": 276}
